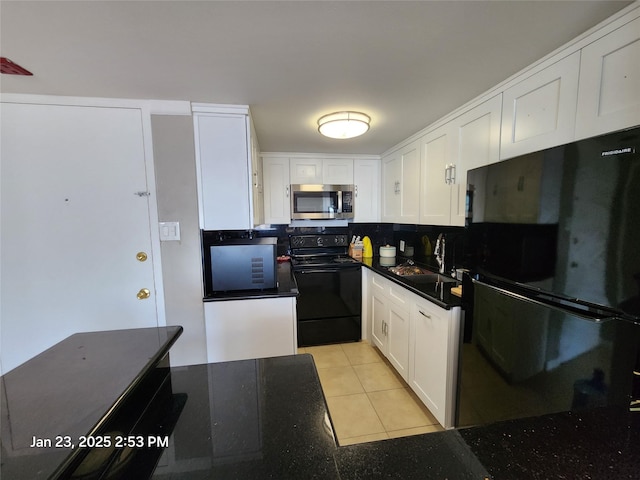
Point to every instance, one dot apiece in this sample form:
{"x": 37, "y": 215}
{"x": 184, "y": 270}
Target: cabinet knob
{"x": 143, "y": 294}
{"x": 141, "y": 256}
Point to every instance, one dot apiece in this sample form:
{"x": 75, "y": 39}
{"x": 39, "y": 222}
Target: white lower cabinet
{"x": 433, "y": 353}
{"x": 421, "y": 341}
{"x": 390, "y": 321}
{"x": 253, "y": 328}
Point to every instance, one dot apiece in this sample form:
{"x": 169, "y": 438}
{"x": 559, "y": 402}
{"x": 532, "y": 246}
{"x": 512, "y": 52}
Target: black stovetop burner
{"x": 320, "y": 250}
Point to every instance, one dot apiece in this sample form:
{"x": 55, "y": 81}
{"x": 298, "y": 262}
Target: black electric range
{"x": 329, "y": 306}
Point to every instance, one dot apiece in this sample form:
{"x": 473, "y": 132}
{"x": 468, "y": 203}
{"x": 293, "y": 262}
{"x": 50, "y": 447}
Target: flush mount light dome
{"x": 343, "y": 124}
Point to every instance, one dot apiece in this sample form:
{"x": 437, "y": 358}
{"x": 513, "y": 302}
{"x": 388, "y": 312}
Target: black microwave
{"x": 236, "y": 264}
{"x": 320, "y": 202}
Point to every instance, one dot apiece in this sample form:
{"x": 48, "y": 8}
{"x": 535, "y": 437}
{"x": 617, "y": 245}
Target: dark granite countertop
{"x": 438, "y": 293}
{"x": 267, "y": 418}
{"x": 287, "y": 287}
{"x": 69, "y": 391}
{"x": 251, "y": 419}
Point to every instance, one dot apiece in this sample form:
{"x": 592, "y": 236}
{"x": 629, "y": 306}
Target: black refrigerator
{"x": 552, "y": 301}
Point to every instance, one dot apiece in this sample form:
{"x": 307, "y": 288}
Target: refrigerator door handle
{"x": 576, "y": 308}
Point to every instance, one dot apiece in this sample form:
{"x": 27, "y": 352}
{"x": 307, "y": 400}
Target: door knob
{"x": 141, "y": 256}
{"x": 143, "y": 293}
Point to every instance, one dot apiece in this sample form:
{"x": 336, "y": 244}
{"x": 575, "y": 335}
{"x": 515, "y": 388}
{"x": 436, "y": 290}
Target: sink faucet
{"x": 439, "y": 252}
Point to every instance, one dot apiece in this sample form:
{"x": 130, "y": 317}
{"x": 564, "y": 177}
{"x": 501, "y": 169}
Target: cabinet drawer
{"x": 398, "y": 293}
{"x": 394, "y": 292}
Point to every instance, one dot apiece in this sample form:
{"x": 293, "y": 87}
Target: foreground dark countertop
{"x": 438, "y": 293}
{"x": 267, "y": 418}
{"x": 287, "y": 287}
{"x": 70, "y": 390}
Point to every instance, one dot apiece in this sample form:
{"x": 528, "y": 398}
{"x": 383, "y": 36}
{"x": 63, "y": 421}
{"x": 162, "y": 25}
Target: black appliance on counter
{"x": 329, "y": 304}
{"x": 552, "y": 306}
{"x": 235, "y": 264}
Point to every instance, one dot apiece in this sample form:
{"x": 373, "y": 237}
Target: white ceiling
{"x": 406, "y": 64}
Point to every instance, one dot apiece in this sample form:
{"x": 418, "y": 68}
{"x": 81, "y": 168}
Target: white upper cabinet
{"x": 609, "y": 93}
{"x": 435, "y": 189}
{"x": 306, "y": 170}
{"x": 366, "y": 180}
{"x": 401, "y": 185}
{"x": 319, "y": 171}
{"x": 469, "y": 141}
{"x": 477, "y": 135}
{"x": 540, "y": 111}
{"x": 223, "y": 171}
{"x": 277, "y": 199}
{"x": 256, "y": 180}
{"x": 337, "y": 171}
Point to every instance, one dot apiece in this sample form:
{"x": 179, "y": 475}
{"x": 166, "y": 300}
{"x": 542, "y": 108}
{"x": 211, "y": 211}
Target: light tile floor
{"x": 367, "y": 399}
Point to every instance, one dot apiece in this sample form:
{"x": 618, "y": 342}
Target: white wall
{"x": 174, "y": 157}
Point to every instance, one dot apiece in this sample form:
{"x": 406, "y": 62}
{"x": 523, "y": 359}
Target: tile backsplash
{"x": 419, "y": 238}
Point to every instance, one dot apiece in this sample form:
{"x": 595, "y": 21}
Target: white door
{"x": 75, "y": 226}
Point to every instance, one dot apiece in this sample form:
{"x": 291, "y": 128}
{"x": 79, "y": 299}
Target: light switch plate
{"x": 169, "y": 231}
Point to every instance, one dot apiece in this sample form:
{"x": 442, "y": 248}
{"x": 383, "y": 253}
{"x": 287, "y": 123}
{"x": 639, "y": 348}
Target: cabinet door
{"x": 391, "y": 182}
{"x": 379, "y": 309}
{"x": 429, "y": 358}
{"x": 245, "y": 329}
{"x": 257, "y": 182}
{"x": 306, "y": 170}
{"x": 435, "y": 192}
{"x": 223, "y": 172}
{"x": 398, "y": 339}
{"x": 366, "y": 179}
{"x": 609, "y": 94}
{"x": 277, "y": 201}
{"x": 410, "y": 184}
{"x": 478, "y": 144}
{"x": 540, "y": 111}
{"x": 337, "y": 171}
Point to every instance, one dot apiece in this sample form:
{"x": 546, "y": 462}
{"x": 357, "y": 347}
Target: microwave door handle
{"x": 339, "y": 201}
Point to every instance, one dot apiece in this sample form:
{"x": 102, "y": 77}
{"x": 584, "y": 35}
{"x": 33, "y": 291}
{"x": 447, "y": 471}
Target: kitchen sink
{"x": 417, "y": 274}
{"x": 430, "y": 278}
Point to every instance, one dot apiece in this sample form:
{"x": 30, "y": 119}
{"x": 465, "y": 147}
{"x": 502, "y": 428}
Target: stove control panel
{"x": 315, "y": 241}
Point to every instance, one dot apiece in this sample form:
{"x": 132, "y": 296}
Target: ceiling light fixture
{"x": 343, "y": 124}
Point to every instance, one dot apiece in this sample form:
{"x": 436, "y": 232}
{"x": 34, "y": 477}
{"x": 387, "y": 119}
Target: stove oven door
{"x": 329, "y": 305}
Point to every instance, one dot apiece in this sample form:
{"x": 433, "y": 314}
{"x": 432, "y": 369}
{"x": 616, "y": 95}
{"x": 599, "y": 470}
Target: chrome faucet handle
{"x": 439, "y": 252}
